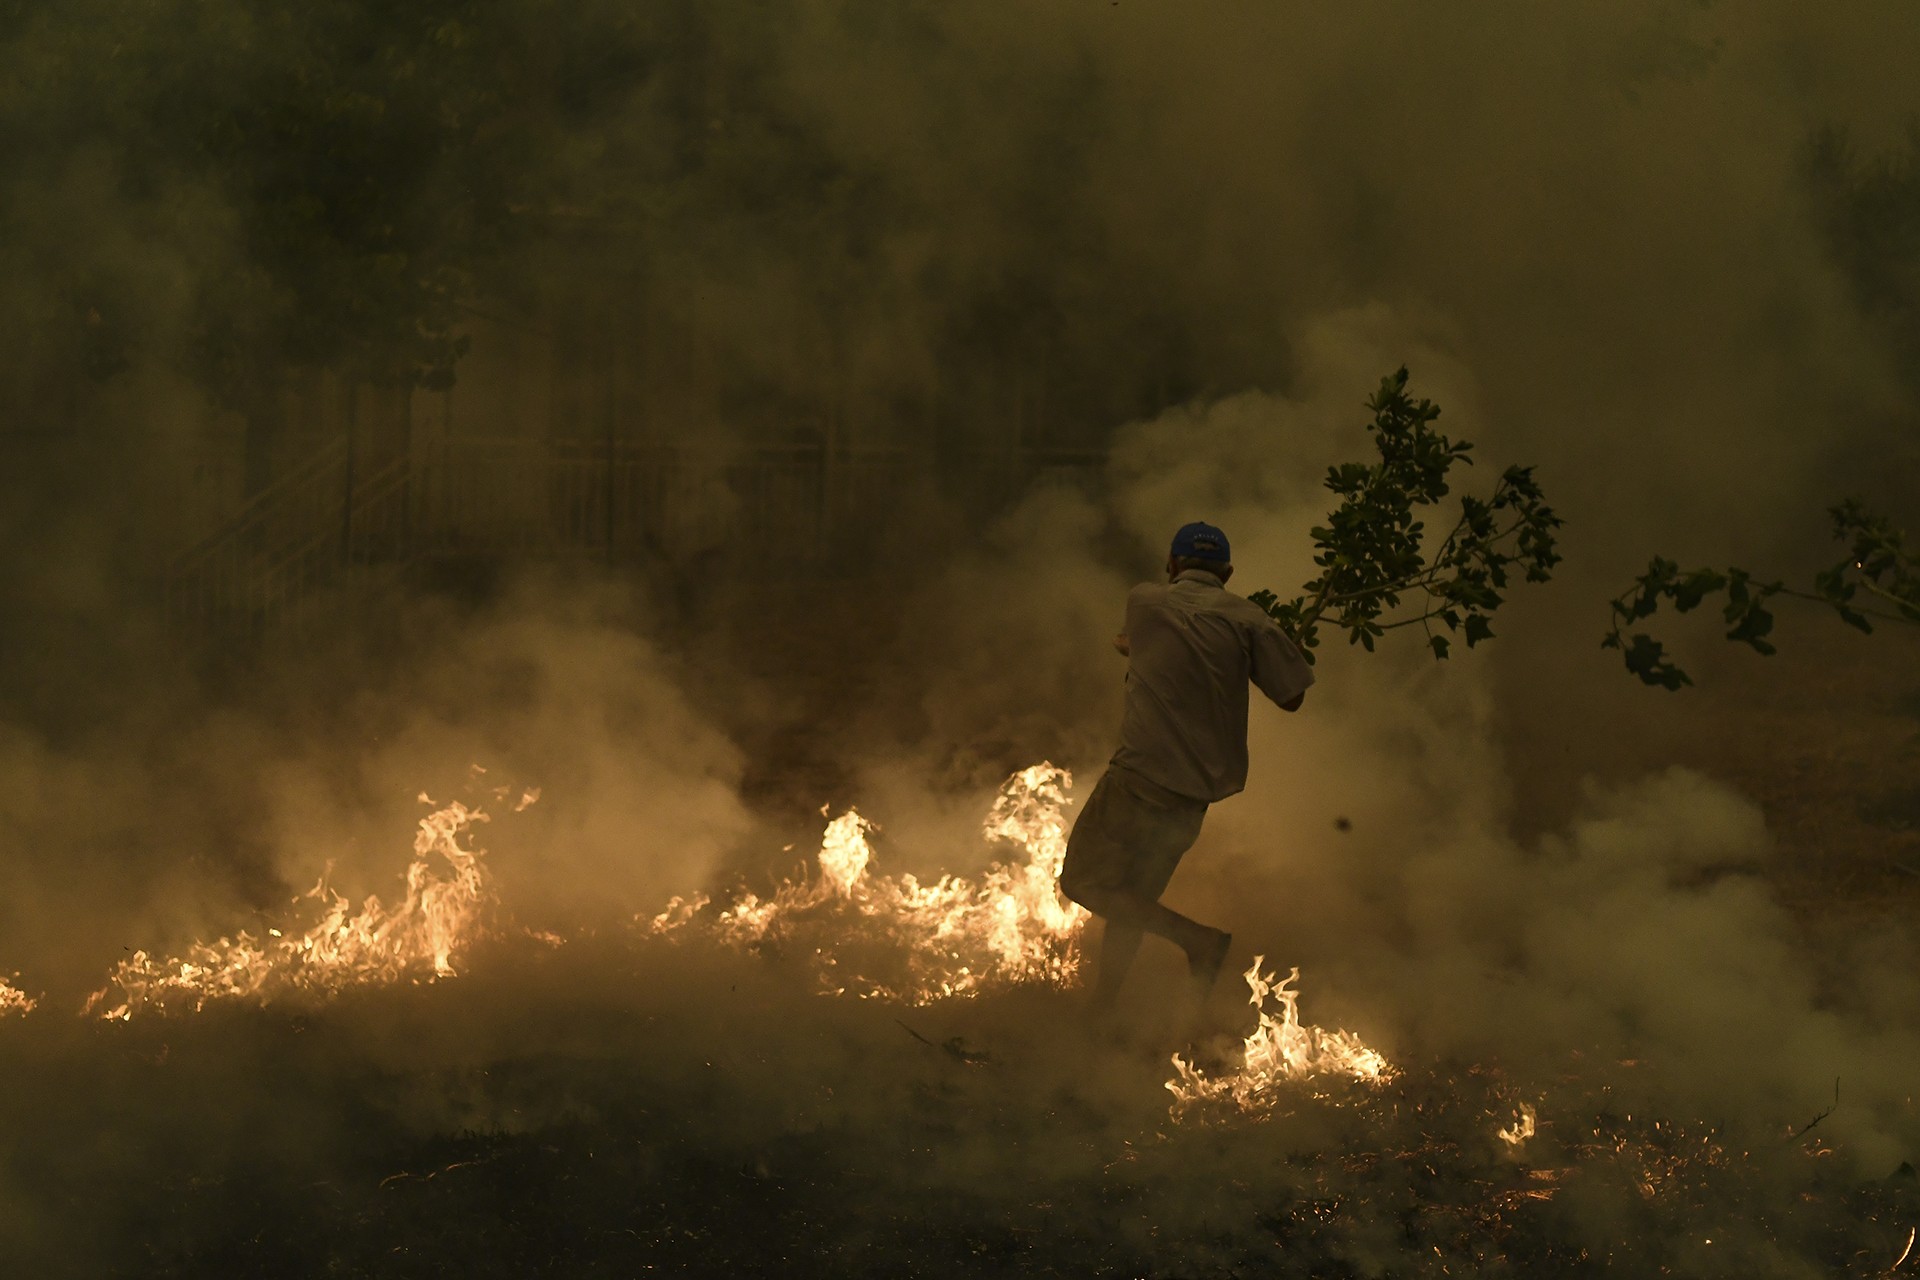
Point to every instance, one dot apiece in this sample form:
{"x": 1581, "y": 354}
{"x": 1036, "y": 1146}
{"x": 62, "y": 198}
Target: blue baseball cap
{"x": 1202, "y": 541}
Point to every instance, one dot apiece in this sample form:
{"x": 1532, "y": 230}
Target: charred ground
{"x": 619, "y": 1104}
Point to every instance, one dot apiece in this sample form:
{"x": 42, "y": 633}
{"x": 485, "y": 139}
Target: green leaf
{"x": 1755, "y": 623}
{"x": 1877, "y": 562}
{"x": 1833, "y": 585}
{"x": 1695, "y": 587}
{"x": 1439, "y": 644}
{"x": 1647, "y": 659}
{"x": 1371, "y": 548}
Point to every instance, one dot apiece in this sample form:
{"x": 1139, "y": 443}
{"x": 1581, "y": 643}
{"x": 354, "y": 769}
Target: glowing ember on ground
{"x": 1660, "y": 1157}
{"x": 893, "y": 937}
{"x": 1278, "y": 1049}
{"x": 448, "y": 890}
{"x": 13, "y": 1001}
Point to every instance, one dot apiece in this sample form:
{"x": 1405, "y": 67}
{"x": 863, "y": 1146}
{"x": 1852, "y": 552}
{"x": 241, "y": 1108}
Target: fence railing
{"x": 790, "y": 510}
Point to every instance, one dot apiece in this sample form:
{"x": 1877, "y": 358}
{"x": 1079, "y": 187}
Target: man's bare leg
{"x": 1204, "y": 966}
{"x": 1127, "y": 917}
{"x": 1119, "y": 944}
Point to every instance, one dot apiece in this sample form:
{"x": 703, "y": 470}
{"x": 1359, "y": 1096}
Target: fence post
{"x": 403, "y": 536}
{"x": 610, "y": 415}
{"x": 352, "y": 416}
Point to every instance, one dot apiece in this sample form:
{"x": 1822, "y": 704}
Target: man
{"x": 1192, "y": 648}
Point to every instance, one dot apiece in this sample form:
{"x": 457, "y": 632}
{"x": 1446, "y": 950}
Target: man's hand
{"x": 1120, "y": 643}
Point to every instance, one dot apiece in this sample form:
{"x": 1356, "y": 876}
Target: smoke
{"x": 153, "y": 833}
{"x": 1383, "y": 844}
{"x": 1386, "y": 843}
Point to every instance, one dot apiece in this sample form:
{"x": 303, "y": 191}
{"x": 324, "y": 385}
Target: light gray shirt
{"x": 1194, "y": 647}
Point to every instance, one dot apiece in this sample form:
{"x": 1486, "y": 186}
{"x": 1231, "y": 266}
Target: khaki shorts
{"x": 1130, "y": 836}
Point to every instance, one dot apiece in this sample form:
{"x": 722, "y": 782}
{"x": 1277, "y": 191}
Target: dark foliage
{"x": 1877, "y": 577}
{"x": 1373, "y": 550}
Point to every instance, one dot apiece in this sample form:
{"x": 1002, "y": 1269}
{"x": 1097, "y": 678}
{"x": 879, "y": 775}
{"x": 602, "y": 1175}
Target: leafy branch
{"x": 1373, "y": 550}
{"x": 1878, "y": 578}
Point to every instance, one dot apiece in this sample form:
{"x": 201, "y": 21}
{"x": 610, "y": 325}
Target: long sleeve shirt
{"x": 1194, "y": 649}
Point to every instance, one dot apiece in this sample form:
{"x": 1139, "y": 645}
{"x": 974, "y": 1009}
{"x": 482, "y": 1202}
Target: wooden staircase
{"x": 264, "y": 564}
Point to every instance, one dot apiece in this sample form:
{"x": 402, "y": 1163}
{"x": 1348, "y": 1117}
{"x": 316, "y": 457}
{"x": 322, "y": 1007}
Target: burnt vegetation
{"x": 627, "y": 1131}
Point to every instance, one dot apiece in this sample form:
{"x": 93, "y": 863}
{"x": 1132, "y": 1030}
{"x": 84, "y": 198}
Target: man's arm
{"x": 1123, "y": 643}
{"x": 1277, "y": 668}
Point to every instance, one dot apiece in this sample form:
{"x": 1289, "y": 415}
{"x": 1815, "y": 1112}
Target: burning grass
{"x": 862, "y": 933}
{"x": 892, "y": 937}
{"x": 448, "y": 892}
{"x": 869, "y": 935}
{"x": 1279, "y": 1050}
{"x": 682, "y": 1098}
{"x": 616, "y": 1105}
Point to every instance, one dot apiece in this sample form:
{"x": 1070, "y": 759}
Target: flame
{"x": 420, "y": 936}
{"x": 680, "y": 911}
{"x": 845, "y": 852}
{"x": 953, "y": 937}
{"x": 13, "y": 1001}
{"x": 1277, "y": 1049}
{"x": 1516, "y": 1134}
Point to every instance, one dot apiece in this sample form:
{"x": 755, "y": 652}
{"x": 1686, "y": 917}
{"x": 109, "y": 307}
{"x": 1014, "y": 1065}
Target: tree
{"x": 1869, "y": 212}
{"x": 1876, "y": 578}
{"x": 1373, "y": 550}
{"x": 324, "y": 185}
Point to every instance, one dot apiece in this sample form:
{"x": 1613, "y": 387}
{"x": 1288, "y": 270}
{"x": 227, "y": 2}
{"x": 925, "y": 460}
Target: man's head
{"x": 1200, "y": 546}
